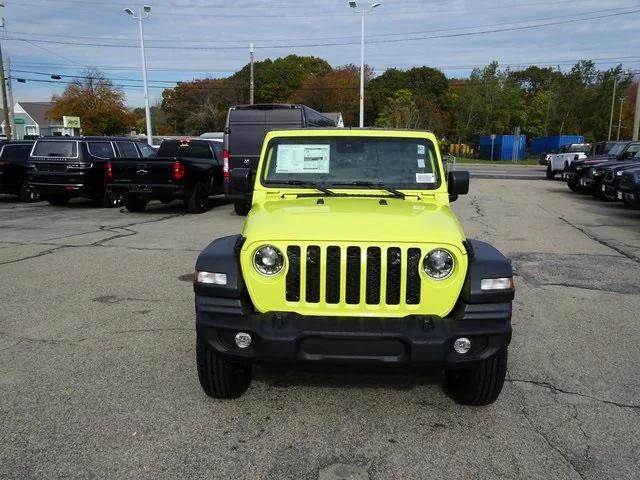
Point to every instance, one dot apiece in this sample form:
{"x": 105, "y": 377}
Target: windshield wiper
{"x": 373, "y": 185}
{"x": 300, "y": 183}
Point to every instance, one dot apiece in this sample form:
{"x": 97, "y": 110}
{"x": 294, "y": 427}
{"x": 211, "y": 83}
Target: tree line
{"x": 540, "y": 100}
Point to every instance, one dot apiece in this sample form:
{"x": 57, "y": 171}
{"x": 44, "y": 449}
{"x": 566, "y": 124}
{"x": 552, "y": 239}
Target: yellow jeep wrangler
{"x": 351, "y": 253}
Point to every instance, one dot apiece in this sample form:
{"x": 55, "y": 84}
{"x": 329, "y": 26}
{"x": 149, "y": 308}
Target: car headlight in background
{"x": 268, "y": 260}
{"x": 211, "y": 278}
{"x": 619, "y": 174}
{"x": 438, "y": 264}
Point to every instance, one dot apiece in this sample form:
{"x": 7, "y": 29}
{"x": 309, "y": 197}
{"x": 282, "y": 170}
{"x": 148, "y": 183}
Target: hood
{"x": 620, "y": 165}
{"x": 350, "y": 219}
{"x": 589, "y": 162}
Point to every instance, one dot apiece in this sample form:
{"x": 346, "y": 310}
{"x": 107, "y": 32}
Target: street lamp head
{"x": 128, "y": 11}
{"x": 353, "y": 4}
{"x": 146, "y": 8}
{"x": 375, "y": 5}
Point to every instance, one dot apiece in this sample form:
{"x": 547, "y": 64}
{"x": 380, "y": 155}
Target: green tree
{"x": 100, "y": 106}
{"x": 400, "y": 111}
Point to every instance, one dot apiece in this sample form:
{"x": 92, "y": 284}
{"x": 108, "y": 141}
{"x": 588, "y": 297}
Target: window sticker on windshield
{"x": 303, "y": 159}
{"x": 425, "y": 178}
{"x": 421, "y": 163}
{"x": 422, "y": 150}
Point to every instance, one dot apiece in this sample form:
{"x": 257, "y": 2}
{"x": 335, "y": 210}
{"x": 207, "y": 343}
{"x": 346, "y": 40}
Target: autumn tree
{"x": 99, "y": 104}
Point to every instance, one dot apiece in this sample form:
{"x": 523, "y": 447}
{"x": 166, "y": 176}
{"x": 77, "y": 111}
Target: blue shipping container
{"x": 502, "y": 147}
{"x": 552, "y": 144}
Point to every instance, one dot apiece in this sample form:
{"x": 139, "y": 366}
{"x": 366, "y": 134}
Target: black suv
{"x": 65, "y": 167}
{"x": 14, "y": 180}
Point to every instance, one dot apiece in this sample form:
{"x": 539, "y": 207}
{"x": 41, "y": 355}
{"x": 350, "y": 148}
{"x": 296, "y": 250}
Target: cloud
{"x": 227, "y": 29}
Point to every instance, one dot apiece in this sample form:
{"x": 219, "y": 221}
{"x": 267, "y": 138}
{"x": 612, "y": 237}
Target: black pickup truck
{"x": 189, "y": 169}
{"x": 629, "y": 187}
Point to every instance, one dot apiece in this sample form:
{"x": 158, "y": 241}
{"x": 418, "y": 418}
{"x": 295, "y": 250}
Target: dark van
{"x": 245, "y": 131}
{"x": 65, "y": 167}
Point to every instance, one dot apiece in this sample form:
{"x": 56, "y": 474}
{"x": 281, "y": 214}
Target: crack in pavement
{"x": 556, "y": 449}
{"x": 557, "y": 390}
{"x": 600, "y": 241}
{"x": 99, "y": 243}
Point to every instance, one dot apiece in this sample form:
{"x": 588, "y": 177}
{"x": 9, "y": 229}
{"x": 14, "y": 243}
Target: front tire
{"x": 135, "y": 204}
{"x": 198, "y": 200}
{"x": 219, "y": 377}
{"x": 480, "y": 384}
{"x": 550, "y": 174}
{"x": 26, "y": 194}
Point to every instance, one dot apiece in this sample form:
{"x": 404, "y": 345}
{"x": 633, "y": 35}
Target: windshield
{"x": 617, "y": 149}
{"x": 185, "y": 149}
{"x": 55, "y": 148}
{"x": 406, "y": 163}
{"x": 580, "y": 148}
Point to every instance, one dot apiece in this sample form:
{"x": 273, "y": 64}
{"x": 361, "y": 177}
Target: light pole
{"x": 363, "y": 11}
{"x": 143, "y": 13}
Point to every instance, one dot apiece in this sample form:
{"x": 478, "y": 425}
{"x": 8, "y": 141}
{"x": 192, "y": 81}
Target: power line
{"x": 334, "y": 44}
{"x": 368, "y": 37}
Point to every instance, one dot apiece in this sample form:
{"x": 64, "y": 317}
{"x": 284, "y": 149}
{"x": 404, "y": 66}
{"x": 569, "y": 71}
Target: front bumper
{"x": 412, "y": 340}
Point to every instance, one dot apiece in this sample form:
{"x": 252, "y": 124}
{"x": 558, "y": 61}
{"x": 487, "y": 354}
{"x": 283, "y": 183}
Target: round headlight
{"x": 438, "y": 264}
{"x": 268, "y": 260}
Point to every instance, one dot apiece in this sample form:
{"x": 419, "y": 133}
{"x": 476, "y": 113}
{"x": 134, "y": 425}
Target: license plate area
{"x": 140, "y": 188}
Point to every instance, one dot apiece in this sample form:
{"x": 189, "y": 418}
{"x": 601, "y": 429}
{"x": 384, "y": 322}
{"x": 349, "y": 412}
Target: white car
{"x": 559, "y": 162}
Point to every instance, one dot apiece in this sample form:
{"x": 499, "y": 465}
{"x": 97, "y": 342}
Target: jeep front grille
{"x": 50, "y": 167}
{"x": 353, "y": 275}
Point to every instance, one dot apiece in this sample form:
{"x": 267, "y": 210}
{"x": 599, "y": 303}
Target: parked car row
{"x": 126, "y": 171}
{"x": 614, "y": 176}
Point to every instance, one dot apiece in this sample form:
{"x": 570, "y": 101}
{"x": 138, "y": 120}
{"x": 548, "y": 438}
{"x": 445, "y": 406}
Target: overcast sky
{"x": 189, "y": 39}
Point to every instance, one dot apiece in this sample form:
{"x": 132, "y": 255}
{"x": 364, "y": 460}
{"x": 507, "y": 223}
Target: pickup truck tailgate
{"x": 151, "y": 171}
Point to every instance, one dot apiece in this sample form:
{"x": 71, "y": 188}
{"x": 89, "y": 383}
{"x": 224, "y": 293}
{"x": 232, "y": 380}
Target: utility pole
{"x": 143, "y": 13}
{"x": 5, "y": 103}
{"x": 613, "y": 105}
{"x": 12, "y": 115}
{"x": 636, "y": 116}
{"x": 620, "y": 119}
{"x": 251, "y": 79}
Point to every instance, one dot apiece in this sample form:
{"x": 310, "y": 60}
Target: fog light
{"x": 243, "y": 340}
{"x": 461, "y": 345}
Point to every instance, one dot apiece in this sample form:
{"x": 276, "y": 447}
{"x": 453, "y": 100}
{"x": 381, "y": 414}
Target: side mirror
{"x": 458, "y": 184}
{"x": 241, "y": 180}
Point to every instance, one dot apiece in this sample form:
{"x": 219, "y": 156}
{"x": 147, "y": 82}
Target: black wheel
{"x": 135, "y": 204}
{"x": 111, "y": 200}
{"x": 219, "y": 377}
{"x": 481, "y": 384}
{"x": 550, "y": 173}
{"x": 573, "y": 186}
{"x": 610, "y": 197}
{"x": 242, "y": 208}
{"x": 198, "y": 201}
{"x": 58, "y": 200}
{"x": 166, "y": 200}
{"x": 26, "y": 194}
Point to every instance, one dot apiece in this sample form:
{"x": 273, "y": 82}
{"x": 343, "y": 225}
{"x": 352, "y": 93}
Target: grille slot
{"x": 373, "y": 275}
{"x": 609, "y": 176}
{"x": 413, "y": 276}
{"x": 313, "y": 275}
{"x": 293, "y": 275}
{"x": 394, "y": 267}
{"x": 333, "y": 275}
{"x": 353, "y": 276}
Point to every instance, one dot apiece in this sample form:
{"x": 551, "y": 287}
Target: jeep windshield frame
{"x": 390, "y": 164}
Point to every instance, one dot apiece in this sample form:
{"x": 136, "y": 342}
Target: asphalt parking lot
{"x": 97, "y": 360}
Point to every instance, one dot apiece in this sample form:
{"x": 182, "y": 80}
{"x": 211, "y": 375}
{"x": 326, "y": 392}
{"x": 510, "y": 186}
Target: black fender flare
{"x": 222, "y": 256}
{"x": 485, "y": 262}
